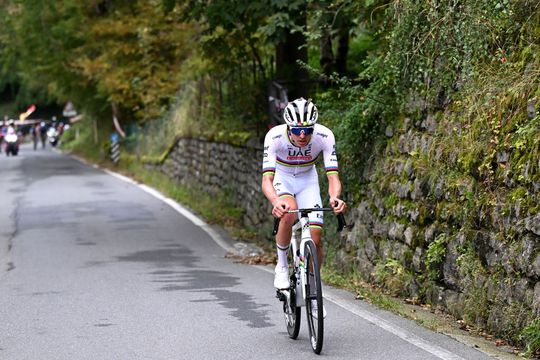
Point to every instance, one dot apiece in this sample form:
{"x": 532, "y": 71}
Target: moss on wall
{"x": 450, "y": 215}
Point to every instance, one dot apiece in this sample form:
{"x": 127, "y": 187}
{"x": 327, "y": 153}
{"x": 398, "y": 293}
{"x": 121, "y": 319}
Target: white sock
{"x": 282, "y": 255}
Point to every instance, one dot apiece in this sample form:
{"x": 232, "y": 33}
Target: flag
{"x": 27, "y": 113}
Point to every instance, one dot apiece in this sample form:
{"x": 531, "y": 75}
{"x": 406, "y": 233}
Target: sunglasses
{"x": 298, "y": 130}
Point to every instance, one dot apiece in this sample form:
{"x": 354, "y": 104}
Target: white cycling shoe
{"x": 314, "y": 310}
{"x": 281, "y": 279}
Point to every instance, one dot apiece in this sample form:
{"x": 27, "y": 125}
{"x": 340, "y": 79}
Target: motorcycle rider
{"x": 11, "y": 139}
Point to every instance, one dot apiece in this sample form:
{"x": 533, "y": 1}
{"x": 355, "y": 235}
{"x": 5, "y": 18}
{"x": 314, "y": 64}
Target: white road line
{"x": 393, "y": 328}
{"x": 179, "y": 208}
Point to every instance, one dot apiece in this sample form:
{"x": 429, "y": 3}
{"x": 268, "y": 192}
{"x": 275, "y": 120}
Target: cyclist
{"x": 290, "y": 179}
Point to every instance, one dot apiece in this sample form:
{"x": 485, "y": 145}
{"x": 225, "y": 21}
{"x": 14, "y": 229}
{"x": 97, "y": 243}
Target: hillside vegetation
{"x": 435, "y": 105}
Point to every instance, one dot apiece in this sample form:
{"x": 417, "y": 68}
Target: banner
{"x": 27, "y": 113}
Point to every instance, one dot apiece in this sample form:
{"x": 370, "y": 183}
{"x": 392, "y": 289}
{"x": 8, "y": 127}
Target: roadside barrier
{"x": 115, "y": 149}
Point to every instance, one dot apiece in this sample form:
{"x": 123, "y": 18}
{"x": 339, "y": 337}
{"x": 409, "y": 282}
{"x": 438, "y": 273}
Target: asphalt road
{"x": 95, "y": 267}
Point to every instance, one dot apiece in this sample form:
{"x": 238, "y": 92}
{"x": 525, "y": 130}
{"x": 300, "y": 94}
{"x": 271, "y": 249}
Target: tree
{"x": 259, "y": 24}
{"x": 134, "y": 55}
{"x": 98, "y": 54}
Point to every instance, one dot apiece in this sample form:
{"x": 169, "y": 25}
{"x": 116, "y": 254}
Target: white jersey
{"x": 282, "y": 156}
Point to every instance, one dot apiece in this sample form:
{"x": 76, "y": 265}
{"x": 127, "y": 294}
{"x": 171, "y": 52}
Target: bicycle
{"x": 305, "y": 280}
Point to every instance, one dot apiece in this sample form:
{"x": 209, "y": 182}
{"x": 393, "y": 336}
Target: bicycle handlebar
{"x": 308, "y": 210}
{"x": 340, "y": 218}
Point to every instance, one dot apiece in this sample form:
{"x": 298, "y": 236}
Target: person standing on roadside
{"x": 35, "y": 135}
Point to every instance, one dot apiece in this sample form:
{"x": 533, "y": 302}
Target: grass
{"x": 407, "y": 308}
{"x": 360, "y": 288}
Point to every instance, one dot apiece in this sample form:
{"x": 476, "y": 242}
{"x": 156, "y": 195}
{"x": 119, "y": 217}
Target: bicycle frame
{"x": 301, "y": 268}
{"x": 297, "y": 248}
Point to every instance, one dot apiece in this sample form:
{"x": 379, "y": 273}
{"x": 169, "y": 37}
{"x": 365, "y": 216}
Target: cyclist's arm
{"x": 334, "y": 190}
{"x": 334, "y": 186}
{"x": 269, "y": 168}
{"x": 268, "y": 188}
{"x": 332, "y": 172}
{"x": 279, "y": 206}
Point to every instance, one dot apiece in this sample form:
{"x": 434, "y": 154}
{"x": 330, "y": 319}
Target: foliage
{"x": 343, "y": 32}
{"x": 531, "y": 337}
{"x": 394, "y": 276}
{"x": 435, "y": 255}
{"x": 357, "y": 116}
{"x": 97, "y": 54}
{"x": 79, "y": 140}
{"x": 235, "y": 32}
{"x": 445, "y": 42}
{"x": 449, "y": 43}
{"x": 270, "y": 17}
{"x": 135, "y": 56}
{"x": 17, "y": 46}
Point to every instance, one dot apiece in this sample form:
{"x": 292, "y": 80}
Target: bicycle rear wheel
{"x": 313, "y": 289}
{"x": 292, "y": 312}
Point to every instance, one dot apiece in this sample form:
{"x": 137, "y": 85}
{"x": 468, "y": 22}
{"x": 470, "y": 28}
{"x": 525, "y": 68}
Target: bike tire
{"x": 313, "y": 289}
{"x": 292, "y": 312}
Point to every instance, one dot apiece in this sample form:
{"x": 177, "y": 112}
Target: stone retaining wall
{"x": 214, "y": 167}
{"x": 434, "y": 227}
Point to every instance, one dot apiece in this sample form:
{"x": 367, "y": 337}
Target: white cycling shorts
{"x": 304, "y": 188}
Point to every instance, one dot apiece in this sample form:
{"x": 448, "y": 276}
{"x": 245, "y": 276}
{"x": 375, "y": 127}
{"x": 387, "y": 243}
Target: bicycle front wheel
{"x": 314, "y": 299}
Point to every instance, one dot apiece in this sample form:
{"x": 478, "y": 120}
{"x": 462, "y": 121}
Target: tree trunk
{"x": 327, "y": 55}
{"x": 116, "y": 122}
{"x": 288, "y": 72}
{"x": 342, "y": 52}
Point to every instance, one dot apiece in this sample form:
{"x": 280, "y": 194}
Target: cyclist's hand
{"x": 280, "y": 208}
{"x": 338, "y": 205}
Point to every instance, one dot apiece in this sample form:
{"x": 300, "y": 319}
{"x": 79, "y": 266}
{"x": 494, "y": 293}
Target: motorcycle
{"x": 52, "y": 134}
{"x": 12, "y": 143}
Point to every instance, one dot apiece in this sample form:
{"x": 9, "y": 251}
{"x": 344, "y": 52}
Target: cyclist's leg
{"x": 283, "y": 236}
{"x": 284, "y": 189}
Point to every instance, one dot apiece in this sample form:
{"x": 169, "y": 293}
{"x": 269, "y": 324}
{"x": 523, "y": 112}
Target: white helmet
{"x": 300, "y": 112}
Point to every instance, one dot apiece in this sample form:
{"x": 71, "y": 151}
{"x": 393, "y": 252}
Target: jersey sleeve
{"x": 269, "y": 155}
{"x": 329, "y": 155}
